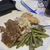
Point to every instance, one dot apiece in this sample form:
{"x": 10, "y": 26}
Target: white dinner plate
{"x": 43, "y": 21}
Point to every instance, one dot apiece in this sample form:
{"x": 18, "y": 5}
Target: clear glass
{"x": 43, "y": 3}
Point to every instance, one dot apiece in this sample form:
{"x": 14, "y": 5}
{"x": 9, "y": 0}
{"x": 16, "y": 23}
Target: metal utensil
{"x": 44, "y": 26}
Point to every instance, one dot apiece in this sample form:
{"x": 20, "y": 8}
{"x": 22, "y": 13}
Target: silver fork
{"x": 44, "y": 26}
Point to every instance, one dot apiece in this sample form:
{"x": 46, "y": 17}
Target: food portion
{"x": 31, "y": 18}
{"x": 11, "y": 34}
{"x": 24, "y": 30}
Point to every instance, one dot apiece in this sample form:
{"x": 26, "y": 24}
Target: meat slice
{"x": 12, "y": 33}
